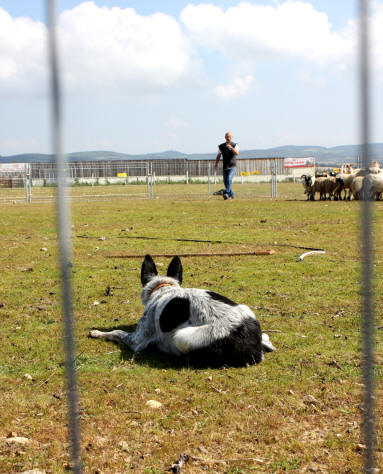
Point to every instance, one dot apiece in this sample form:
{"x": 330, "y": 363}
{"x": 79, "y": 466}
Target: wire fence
{"x": 64, "y": 224}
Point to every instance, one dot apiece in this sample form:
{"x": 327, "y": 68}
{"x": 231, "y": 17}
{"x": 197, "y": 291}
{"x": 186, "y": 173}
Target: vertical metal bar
{"x": 366, "y": 217}
{"x": 29, "y": 183}
{"x": 208, "y": 178}
{"x": 64, "y": 231}
{"x": 276, "y": 179}
{"x": 147, "y": 179}
{"x": 26, "y": 182}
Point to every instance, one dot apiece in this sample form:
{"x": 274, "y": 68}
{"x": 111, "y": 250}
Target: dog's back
{"x": 206, "y": 327}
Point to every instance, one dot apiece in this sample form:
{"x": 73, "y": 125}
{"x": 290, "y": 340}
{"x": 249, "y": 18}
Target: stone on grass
{"x": 154, "y": 404}
{"x": 18, "y": 440}
{"x": 124, "y": 446}
{"x": 310, "y": 400}
{"x": 34, "y": 471}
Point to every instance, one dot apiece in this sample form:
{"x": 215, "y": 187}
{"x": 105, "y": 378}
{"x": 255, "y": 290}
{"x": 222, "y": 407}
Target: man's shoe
{"x": 225, "y": 196}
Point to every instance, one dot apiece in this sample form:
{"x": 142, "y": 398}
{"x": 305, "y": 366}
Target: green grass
{"x": 311, "y": 310}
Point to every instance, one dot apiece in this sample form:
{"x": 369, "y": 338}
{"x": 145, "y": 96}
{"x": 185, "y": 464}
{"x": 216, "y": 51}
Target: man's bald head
{"x": 228, "y": 137}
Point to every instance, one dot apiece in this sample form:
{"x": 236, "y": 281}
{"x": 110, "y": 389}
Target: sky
{"x": 142, "y": 76}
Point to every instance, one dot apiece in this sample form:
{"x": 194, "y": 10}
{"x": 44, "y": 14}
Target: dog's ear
{"x": 175, "y": 269}
{"x": 148, "y": 270}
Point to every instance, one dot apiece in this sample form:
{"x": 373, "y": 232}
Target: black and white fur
{"x": 208, "y": 328}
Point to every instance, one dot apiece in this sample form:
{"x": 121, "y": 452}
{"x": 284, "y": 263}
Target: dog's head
{"x": 149, "y": 270}
{"x": 150, "y": 278}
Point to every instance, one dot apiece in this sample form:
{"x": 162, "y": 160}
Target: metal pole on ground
{"x": 368, "y": 335}
{"x": 64, "y": 232}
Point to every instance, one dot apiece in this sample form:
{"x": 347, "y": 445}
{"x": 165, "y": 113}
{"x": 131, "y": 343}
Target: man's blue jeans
{"x": 227, "y": 181}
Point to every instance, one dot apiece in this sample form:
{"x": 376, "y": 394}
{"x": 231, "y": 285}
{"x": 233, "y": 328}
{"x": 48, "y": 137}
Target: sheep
{"x": 344, "y": 180}
{"x": 357, "y": 187}
{"x": 330, "y": 186}
{"x": 307, "y": 182}
{"x": 346, "y": 168}
{"x": 373, "y": 186}
{"x": 373, "y": 169}
{"x": 323, "y": 186}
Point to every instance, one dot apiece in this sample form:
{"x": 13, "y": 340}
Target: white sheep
{"x": 357, "y": 187}
{"x": 373, "y": 186}
{"x": 344, "y": 180}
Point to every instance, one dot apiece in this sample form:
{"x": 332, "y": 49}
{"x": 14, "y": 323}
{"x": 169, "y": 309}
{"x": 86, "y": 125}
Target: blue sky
{"x": 145, "y": 76}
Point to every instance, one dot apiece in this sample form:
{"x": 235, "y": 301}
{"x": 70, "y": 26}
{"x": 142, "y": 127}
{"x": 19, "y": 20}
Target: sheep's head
{"x": 309, "y": 180}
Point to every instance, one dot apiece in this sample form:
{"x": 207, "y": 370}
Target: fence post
{"x": 29, "y": 183}
{"x": 368, "y": 316}
{"x": 26, "y": 182}
{"x": 208, "y": 178}
{"x": 273, "y": 179}
{"x": 64, "y": 235}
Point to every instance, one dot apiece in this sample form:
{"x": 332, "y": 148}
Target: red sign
{"x": 300, "y": 162}
{"x": 12, "y": 167}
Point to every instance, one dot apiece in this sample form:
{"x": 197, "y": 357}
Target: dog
{"x": 207, "y": 327}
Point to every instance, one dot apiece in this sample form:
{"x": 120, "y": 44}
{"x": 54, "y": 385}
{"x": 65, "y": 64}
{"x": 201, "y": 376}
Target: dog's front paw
{"x": 95, "y": 334}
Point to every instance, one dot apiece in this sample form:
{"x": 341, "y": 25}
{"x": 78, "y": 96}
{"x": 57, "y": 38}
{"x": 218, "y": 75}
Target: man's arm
{"x": 235, "y": 149}
{"x": 219, "y": 154}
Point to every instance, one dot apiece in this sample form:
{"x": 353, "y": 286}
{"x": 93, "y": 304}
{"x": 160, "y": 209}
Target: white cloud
{"x": 122, "y": 50}
{"x": 112, "y": 50}
{"x": 293, "y": 28}
{"x": 22, "y": 55}
{"x": 237, "y": 87}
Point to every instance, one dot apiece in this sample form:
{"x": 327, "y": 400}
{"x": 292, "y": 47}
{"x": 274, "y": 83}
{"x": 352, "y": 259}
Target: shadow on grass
{"x": 151, "y": 356}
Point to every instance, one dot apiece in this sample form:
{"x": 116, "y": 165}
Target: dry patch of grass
{"x": 311, "y": 310}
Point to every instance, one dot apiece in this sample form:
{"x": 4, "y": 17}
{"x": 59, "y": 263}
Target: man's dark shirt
{"x": 228, "y": 157}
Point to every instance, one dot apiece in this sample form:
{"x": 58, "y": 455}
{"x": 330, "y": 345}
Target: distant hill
{"x": 324, "y": 156}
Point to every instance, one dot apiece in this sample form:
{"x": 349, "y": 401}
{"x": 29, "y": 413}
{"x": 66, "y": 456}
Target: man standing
{"x": 229, "y": 152}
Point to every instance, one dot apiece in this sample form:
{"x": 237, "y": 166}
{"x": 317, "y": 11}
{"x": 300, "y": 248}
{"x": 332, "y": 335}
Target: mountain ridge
{"x": 324, "y": 155}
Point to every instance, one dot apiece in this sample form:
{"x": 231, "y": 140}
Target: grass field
{"x": 255, "y": 419}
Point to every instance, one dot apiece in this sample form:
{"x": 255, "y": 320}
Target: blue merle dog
{"x": 208, "y": 328}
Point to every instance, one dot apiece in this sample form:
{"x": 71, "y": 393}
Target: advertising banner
{"x": 299, "y": 162}
{"x": 12, "y": 167}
